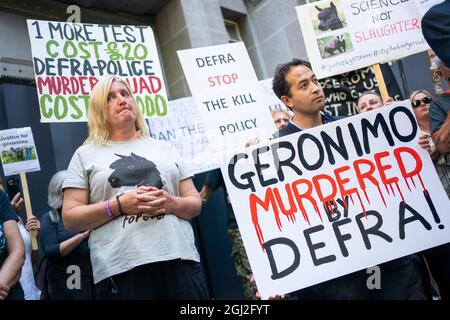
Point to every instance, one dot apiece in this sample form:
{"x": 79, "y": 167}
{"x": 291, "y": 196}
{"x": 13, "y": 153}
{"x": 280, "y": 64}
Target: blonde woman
{"x": 137, "y": 196}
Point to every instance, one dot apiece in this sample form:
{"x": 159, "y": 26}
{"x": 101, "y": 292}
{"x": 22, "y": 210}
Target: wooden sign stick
{"x": 26, "y": 197}
{"x": 380, "y": 81}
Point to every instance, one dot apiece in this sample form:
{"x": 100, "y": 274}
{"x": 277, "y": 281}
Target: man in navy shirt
{"x": 297, "y": 87}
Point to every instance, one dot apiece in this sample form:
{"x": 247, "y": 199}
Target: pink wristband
{"x": 108, "y": 210}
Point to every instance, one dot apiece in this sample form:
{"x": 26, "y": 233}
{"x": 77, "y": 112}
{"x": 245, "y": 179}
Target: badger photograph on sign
{"x": 375, "y": 31}
{"x": 335, "y": 199}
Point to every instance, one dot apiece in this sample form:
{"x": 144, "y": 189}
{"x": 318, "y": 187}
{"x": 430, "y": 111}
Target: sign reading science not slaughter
{"x": 344, "y": 35}
{"x": 70, "y": 58}
{"x": 335, "y": 199}
{"x": 228, "y": 95}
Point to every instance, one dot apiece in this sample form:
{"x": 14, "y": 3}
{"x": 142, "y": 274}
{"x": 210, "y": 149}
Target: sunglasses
{"x": 417, "y": 103}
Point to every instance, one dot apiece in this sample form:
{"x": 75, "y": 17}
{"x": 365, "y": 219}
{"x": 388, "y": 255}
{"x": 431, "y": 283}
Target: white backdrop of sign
{"x": 335, "y": 199}
{"x": 342, "y": 36}
{"x": 226, "y": 90}
{"x": 184, "y": 129}
{"x": 69, "y": 58}
{"x": 18, "y": 151}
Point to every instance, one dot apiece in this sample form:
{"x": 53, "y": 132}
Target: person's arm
{"x": 79, "y": 216}
{"x": 67, "y": 246}
{"x": 11, "y": 268}
{"x": 441, "y": 137}
{"x": 188, "y": 204}
{"x": 17, "y": 203}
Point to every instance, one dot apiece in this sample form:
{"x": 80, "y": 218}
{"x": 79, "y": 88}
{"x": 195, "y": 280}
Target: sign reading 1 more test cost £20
{"x": 335, "y": 199}
{"x": 345, "y": 35}
{"x": 69, "y": 59}
{"x": 228, "y": 95}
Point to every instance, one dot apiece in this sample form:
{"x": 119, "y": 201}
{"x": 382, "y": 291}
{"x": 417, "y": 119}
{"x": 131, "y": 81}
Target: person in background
{"x": 436, "y": 30}
{"x": 12, "y": 252}
{"x": 64, "y": 250}
{"x": 280, "y": 118}
{"x": 371, "y": 100}
{"x": 296, "y": 85}
{"x": 440, "y": 115}
{"x": 33, "y": 224}
{"x": 438, "y": 258}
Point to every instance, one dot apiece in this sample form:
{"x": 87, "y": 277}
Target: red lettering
{"x": 316, "y": 181}
{"x": 289, "y": 213}
{"x": 367, "y": 175}
{"x": 382, "y": 168}
{"x": 266, "y": 204}
{"x": 306, "y": 195}
{"x": 342, "y": 181}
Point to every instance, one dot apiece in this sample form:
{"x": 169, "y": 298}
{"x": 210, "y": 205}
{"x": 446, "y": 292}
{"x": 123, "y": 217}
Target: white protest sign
{"x": 69, "y": 58}
{"x": 338, "y": 198}
{"x": 18, "y": 152}
{"x": 342, "y": 36}
{"x": 228, "y": 95}
{"x": 184, "y": 128}
{"x": 270, "y": 97}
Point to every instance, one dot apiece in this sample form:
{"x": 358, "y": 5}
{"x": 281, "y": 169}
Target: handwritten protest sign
{"x": 341, "y": 36}
{"x": 69, "y": 58}
{"x": 335, "y": 199}
{"x": 184, "y": 128}
{"x": 225, "y": 88}
{"x": 342, "y": 90}
{"x": 18, "y": 151}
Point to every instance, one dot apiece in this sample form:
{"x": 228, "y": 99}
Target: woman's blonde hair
{"x": 99, "y": 129}
{"x": 415, "y": 93}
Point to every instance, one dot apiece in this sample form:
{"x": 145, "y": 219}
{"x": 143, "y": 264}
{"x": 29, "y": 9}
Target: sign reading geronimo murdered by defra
{"x": 335, "y": 199}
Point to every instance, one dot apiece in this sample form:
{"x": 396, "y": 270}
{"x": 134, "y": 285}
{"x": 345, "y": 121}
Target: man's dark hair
{"x": 279, "y": 84}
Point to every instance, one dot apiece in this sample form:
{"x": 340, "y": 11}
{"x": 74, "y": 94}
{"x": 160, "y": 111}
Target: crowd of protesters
{"x": 150, "y": 252}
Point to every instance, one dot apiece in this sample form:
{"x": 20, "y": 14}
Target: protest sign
{"x": 341, "y": 36}
{"x": 425, "y": 5}
{"x": 342, "y": 90}
{"x": 338, "y": 198}
{"x": 184, "y": 129}
{"x": 228, "y": 95}
{"x": 69, "y": 58}
{"x": 18, "y": 151}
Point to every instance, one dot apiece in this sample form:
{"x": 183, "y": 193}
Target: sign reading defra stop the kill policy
{"x": 228, "y": 95}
